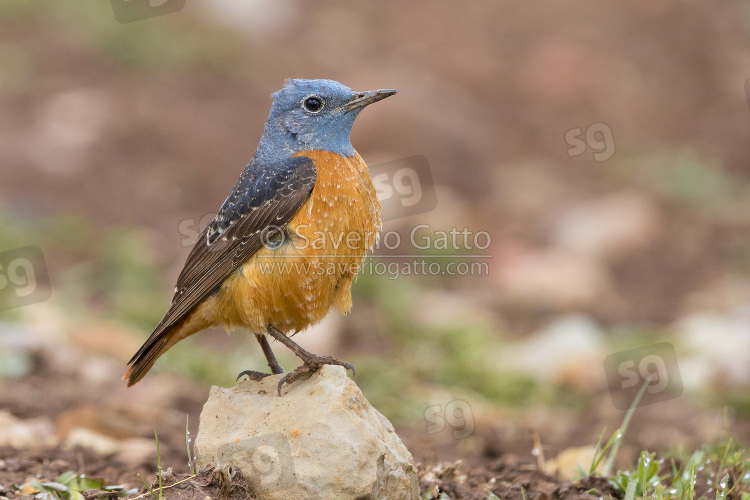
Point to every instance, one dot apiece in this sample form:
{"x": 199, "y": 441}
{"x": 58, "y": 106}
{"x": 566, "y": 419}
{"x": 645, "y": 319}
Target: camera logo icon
{"x": 627, "y": 371}
{"x": 23, "y": 278}
{"x": 597, "y": 137}
{"x": 404, "y": 187}
{"x": 455, "y": 415}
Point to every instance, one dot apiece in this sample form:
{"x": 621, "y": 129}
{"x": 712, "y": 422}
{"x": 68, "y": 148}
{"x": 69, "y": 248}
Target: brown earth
{"x": 497, "y": 459}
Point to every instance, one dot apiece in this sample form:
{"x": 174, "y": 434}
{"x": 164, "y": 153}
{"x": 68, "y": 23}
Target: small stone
{"x": 86, "y": 438}
{"x": 610, "y": 228}
{"x": 30, "y": 433}
{"x": 714, "y": 348}
{"x": 136, "y": 451}
{"x": 569, "y": 463}
{"x": 320, "y": 439}
{"x": 549, "y": 277}
{"x": 569, "y": 351}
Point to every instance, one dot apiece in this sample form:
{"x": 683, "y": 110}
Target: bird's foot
{"x": 311, "y": 363}
{"x": 253, "y": 375}
{"x": 272, "y": 363}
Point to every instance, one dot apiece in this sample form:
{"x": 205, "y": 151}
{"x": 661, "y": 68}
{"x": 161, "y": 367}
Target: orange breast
{"x": 295, "y": 285}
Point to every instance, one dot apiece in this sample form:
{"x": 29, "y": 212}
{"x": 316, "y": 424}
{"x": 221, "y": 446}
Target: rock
{"x": 569, "y": 351}
{"x": 320, "y": 439}
{"x": 136, "y": 451}
{"x": 549, "y": 277}
{"x": 609, "y": 228}
{"x": 571, "y": 461}
{"x": 67, "y": 124}
{"x": 30, "y": 433}
{"x": 86, "y": 438}
{"x": 439, "y": 308}
{"x": 254, "y": 19}
{"x": 714, "y": 348}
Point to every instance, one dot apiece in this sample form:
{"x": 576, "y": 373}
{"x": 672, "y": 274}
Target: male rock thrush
{"x": 290, "y": 237}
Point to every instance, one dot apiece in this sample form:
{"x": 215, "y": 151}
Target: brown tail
{"x": 145, "y": 359}
{"x": 157, "y": 344}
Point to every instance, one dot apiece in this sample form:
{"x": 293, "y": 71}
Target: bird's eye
{"x": 313, "y": 103}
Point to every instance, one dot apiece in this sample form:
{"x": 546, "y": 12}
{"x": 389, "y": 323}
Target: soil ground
{"x": 498, "y": 462}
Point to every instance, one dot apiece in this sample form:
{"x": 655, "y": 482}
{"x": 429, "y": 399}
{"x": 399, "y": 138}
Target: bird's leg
{"x": 310, "y": 362}
{"x": 272, "y": 362}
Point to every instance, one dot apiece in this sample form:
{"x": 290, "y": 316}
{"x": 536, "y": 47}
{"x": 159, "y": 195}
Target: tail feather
{"x": 157, "y": 344}
{"x": 142, "y": 363}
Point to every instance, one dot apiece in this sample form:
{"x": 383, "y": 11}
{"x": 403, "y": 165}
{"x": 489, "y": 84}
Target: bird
{"x": 289, "y": 239}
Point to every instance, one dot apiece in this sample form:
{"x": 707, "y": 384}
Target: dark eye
{"x": 313, "y": 103}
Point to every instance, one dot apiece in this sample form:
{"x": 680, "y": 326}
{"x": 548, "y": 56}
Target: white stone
{"x": 715, "y": 348}
{"x": 30, "y": 433}
{"x": 136, "y": 451}
{"x": 86, "y": 438}
{"x": 320, "y": 439}
{"x": 609, "y": 228}
{"x": 568, "y": 351}
{"x": 550, "y": 277}
{"x": 256, "y": 19}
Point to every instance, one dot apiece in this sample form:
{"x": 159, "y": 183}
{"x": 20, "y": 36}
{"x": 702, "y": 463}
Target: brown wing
{"x": 264, "y": 196}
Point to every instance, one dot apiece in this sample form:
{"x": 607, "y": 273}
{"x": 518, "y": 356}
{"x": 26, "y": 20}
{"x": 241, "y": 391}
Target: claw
{"x": 252, "y": 375}
{"x": 311, "y": 363}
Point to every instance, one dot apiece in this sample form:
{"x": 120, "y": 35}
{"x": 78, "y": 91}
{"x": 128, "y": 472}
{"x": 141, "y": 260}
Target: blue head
{"x": 313, "y": 115}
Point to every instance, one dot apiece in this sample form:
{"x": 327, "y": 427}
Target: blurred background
{"x": 596, "y": 155}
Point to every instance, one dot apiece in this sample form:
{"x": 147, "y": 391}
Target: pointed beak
{"x": 362, "y": 99}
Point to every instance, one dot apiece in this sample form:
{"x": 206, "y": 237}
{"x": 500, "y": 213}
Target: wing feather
{"x": 264, "y": 196}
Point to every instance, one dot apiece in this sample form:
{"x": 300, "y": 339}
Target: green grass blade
{"x": 191, "y": 465}
{"x": 621, "y": 431}
{"x": 153, "y": 494}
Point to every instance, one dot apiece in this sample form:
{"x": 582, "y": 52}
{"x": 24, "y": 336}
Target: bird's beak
{"x": 362, "y": 99}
